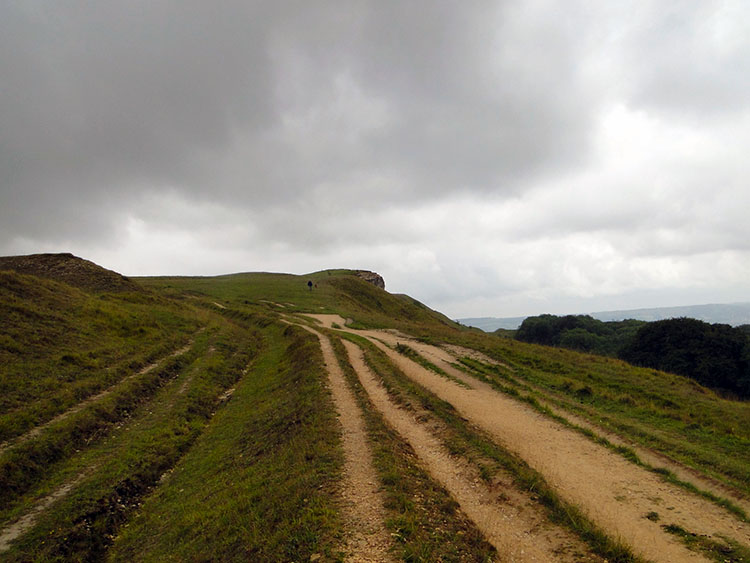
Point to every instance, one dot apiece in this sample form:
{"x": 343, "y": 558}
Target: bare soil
{"x": 613, "y": 492}
{"x": 368, "y": 539}
{"x": 20, "y": 526}
{"x": 443, "y": 357}
{"x": 509, "y": 520}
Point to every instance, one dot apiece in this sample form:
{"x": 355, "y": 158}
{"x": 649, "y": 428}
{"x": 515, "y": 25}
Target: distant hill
{"x": 69, "y": 269}
{"x": 734, "y": 314}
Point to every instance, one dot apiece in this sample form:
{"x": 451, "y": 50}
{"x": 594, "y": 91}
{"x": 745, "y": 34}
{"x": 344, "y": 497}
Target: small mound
{"x": 71, "y": 270}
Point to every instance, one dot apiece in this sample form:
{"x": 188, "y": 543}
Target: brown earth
{"x": 509, "y": 520}
{"x": 368, "y": 540}
{"x": 614, "y": 493}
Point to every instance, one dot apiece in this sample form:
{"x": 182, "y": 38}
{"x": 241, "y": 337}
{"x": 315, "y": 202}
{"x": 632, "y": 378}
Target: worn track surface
{"x": 368, "y": 539}
{"x": 614, "y": 493}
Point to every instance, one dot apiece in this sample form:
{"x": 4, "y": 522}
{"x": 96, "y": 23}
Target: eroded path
{"x": 514, "y": 527}
{"x": 446, "y": 357}
{"x": 368, "y": 539}
{"x": 613, "y": 492}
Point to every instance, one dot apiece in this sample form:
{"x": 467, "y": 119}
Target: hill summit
{"x": 69, "y": 269}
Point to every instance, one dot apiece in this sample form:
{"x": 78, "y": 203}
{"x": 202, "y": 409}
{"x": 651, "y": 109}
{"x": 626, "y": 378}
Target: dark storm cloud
{"x": 256, "y": 103}
{"x": 100, "y": 100}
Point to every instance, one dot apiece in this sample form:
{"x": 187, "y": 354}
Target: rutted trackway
{"x": 37, "y": 430}
{"x": 614, "y": 493}
{"x": 517, "y": 532}
{"x": 368, "y": 539}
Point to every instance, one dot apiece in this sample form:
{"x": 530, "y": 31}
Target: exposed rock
{"x": 69, "y": 269}
{"x": 371, "y": 277}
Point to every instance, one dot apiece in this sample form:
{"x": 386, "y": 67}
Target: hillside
{"x": 257, "y": 416}
{"x": 69, "y": 269}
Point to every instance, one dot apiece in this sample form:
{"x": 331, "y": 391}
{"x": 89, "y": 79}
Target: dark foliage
{"x": 579, "y": 332}
{"x": 715, "y": 355}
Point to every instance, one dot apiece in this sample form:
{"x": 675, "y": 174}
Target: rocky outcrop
{"x": 371, "y": 277}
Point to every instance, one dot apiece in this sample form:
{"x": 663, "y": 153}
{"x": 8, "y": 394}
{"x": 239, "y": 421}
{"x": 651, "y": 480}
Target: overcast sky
{"x": 489, "y": 159}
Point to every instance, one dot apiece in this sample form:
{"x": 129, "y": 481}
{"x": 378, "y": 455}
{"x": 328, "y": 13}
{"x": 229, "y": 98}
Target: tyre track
{"x": 515, "y": 529}
{"x": 368, "y": 539}
{"x": 37, "y": 430}
{"x": 612, "y": 491}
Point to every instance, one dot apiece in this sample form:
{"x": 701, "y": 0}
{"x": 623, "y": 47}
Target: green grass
{"x": 258, "y": 480}
{"x": 60, "y": 345}
{"x": 727, "y": 551}
{"x": 121, "y": 470}
{"x": 260, "y": 483}
{"x": 337, "y": 291}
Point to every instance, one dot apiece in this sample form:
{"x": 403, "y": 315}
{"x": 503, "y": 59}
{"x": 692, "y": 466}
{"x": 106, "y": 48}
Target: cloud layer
{"x": 488, "y": 158}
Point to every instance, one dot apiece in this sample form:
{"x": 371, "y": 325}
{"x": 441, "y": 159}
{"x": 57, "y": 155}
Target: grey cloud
{"x": 690, "y": 58}
{"x": 100, "y": 100}
{"x": 104, "y": 102}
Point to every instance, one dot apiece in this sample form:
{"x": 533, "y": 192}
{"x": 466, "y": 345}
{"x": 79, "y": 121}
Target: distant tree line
{"x": 715, "y": 355}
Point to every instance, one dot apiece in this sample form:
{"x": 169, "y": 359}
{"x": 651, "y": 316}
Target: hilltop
{"x": 318, "y": 417}
{"x": 69, "y": 269}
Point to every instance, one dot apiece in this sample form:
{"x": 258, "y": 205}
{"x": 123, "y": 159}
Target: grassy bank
{"x": 112, "y": 476}
{"x": 260, "y": 484}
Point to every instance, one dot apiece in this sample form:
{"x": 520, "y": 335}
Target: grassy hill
{"x": 184, "y": 418}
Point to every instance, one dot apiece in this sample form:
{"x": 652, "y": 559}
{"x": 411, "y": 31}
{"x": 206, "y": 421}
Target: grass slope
{"x": 164, "y": 467}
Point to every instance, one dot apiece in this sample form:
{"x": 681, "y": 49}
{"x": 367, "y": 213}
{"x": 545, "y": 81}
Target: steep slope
{"x": 71, "y": 270}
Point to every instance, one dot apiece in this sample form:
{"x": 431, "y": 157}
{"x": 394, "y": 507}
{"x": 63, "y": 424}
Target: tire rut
{"x": 37, "y": 430}
{"x": 368, "y": 539}
{"x": 512, "y": 525}
{"x": 613, "y": 492}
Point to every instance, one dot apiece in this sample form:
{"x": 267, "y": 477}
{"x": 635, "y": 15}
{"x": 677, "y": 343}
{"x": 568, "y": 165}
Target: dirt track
{"x": 513, "y": 526}
{"x": 613, "y": 492}
{"x": 368, "y": 539}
